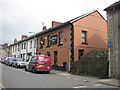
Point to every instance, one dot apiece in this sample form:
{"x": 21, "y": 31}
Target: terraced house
{"x": 83, "y": 34}
{"x": 65, "y": 41}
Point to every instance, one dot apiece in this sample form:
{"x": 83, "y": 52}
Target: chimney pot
{"x": 44, "y": 28}
{"x": 6, "y": 44}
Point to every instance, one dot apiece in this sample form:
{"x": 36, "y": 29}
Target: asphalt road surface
{"x": 19, "y": 78}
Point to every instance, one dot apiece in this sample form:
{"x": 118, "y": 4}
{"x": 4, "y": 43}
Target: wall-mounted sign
{"x": 42, "y": 42}
{"x": 109, "y": 44}
{"x": 53, "y": 40}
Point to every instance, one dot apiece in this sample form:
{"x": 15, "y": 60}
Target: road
{"x": 19, "y": 78}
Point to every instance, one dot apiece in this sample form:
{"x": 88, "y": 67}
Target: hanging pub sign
{"x": 53, "y": 40}
{"x": 42, "y": 42}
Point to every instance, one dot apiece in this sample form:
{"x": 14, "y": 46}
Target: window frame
{"x": 30, "y": 44}
{"x": 60, "y": 37}
{"x": 85, "y": 37}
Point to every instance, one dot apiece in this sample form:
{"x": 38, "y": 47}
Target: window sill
{"x": 41, "y": 47}
{"x": 59, "y": 44}
{"x": 47, "y": 46}
{"x": 85, "y": 43}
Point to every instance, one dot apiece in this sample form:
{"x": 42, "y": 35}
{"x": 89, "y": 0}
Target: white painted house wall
{"x": 23, "y": 49}
{"x": 15, "y": 51}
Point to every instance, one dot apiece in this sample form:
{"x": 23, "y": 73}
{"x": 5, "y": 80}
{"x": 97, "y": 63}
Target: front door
{"x": 55, "y": 58}
{"x": 80, "y": 53}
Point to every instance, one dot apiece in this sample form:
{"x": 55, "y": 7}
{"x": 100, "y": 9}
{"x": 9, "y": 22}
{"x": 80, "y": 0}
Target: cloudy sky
{"x": 19, "y": 17}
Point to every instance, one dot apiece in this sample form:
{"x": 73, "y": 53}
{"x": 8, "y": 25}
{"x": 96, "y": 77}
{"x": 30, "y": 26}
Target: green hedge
{"x": 94, "y": 63}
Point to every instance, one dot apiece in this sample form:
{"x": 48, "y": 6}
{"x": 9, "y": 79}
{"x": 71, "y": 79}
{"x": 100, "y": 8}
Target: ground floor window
{"x": 21, "y": 56}
{"x": 48, "y": 53}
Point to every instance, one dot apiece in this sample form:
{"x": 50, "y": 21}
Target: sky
{"x": 19, "y": 17}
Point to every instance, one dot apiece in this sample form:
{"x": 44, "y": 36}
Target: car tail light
{"x": 37, "y": 64}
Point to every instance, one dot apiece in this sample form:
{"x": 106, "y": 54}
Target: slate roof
{"x": 116, "y": 4}
{"x": 58, "y": 26}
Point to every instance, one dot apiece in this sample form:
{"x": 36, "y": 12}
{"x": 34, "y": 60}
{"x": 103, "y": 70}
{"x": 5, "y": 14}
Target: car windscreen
{"x": 11, "y": 59}
{"x": 19, "y": 59}
{"x": 43, "y": 59}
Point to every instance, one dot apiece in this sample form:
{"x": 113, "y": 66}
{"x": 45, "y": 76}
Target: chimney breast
{"x": 44, "y": 28}
{"x": 15, "y": 40}
{"x": 24, "y": 36}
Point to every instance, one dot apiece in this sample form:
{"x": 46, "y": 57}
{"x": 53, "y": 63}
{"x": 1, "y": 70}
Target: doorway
{"x": 55, "y": 58}
{"x": 80, "y": 53}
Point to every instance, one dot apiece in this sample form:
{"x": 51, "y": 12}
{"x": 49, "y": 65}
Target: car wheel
{"x": 8, "y": 64}
{"x": 33, "y": 70}
{"x": 12, "y": 65}
{"x": 26, "y": 69}
{"x": 48, "y": 72}
{"x": 16, "y": 66}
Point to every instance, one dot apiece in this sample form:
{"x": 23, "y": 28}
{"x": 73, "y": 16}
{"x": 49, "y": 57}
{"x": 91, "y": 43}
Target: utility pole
{"x": 109, "y": 45}
{"x": 69, "y": 54}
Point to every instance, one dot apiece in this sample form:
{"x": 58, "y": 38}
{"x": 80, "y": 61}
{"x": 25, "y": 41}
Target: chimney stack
{"x": 24, "y": 36}
{"x": 15, "y": 40}
{"x": 6, "y": 44}
{"x": 44, "y": 28}
{"x": 54, "y": 23}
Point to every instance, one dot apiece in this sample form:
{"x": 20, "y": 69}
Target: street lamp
{"x": 34, "y": 42}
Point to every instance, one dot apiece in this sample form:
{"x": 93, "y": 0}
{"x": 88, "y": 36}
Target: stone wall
{"x": 113, "y": 35}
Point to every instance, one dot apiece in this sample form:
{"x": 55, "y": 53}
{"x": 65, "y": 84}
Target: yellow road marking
{"x": 65, "y": 74}
{"x": 2, "y": 86}
{"x": 106, "y": 80}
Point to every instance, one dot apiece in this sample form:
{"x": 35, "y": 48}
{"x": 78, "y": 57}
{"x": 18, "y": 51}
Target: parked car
{"x": 9, "y": 61}
{"x": 18, "y": 62}
{"x": 40, "y": 63}
{"x": 0, "y": 60}
{"x": 3, "y": 59}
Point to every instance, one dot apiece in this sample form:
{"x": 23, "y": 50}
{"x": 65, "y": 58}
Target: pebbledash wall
{"x": 113, "y": 24}
{"x": 84, "y": 33}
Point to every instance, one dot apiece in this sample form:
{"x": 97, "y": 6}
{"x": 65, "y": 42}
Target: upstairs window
{"x": 24, "y": 45}
{"x": 41, "y": 43}
{"x": 30, "y": 44}
{"x": 60, "y": 37}
{"x": 84, "y": 37}
{"x": 18, "y": 47}
{"x": 48, "y": 40}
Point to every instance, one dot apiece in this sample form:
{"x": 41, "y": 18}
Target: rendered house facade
{"x": 84, "y": 33}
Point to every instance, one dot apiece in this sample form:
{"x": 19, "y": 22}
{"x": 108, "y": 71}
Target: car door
{"x": 31, "y": 64}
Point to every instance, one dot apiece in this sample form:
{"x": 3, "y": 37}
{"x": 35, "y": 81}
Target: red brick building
{"x": 84, "y": 33}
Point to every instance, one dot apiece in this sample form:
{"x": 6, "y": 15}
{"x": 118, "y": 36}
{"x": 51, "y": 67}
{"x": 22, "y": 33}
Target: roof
{"x": 58, "y": 26}
{"x": 3, "y": 47}
{"x": 116, "y": 4}
{"x": 68, "y": 22}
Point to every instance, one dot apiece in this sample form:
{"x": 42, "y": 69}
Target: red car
{"x": 40, "y": 63}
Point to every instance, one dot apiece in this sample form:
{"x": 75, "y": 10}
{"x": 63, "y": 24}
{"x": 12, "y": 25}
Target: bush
{"x": 94, "y": 63}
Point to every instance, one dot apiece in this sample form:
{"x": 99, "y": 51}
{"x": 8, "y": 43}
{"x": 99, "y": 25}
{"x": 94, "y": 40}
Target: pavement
{"x": 111, "y": 82}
